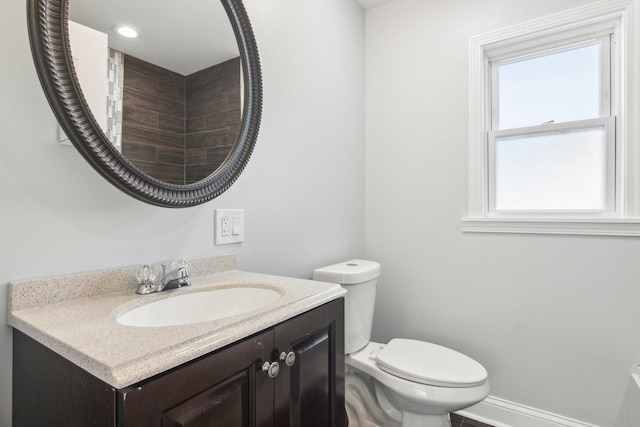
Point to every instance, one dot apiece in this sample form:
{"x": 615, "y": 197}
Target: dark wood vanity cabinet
{"x": 311, "y": 391}
{"x": 225, "y": 388}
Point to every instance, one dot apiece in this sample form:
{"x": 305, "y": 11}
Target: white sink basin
{"x": 199, "y": 307}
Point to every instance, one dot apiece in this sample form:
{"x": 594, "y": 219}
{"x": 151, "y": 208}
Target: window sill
{"x": 594, "y": 227}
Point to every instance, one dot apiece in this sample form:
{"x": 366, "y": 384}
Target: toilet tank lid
{"x": 348, "y": 272}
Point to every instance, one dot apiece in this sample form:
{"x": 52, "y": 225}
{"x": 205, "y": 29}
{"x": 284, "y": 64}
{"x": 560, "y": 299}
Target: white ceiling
{"x": 183, "y": 36}
{"x": 368, "y": 4}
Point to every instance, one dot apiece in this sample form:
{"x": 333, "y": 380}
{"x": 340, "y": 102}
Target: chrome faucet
{"x": 176, "y": 277}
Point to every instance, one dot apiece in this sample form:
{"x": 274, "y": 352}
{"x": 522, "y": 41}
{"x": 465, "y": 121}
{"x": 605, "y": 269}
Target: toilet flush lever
{"x": 288, "y": 358}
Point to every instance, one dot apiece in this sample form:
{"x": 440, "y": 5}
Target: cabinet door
{"x": 226, "y": 388}
{"x": 310, "y": 393}
{"x": 48, "y": 390}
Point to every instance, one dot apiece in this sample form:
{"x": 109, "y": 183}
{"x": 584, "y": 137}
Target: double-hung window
{"x": 550, "y": 135}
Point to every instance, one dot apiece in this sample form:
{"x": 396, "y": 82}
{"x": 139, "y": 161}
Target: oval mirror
{"x": 170, "y": 116}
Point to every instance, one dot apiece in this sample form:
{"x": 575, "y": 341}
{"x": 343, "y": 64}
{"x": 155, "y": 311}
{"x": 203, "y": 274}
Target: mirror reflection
{"x": 170, "y": 98}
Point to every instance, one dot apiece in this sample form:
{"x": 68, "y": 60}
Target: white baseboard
{"x": 502, "y": 413}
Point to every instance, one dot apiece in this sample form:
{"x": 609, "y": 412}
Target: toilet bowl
{"x": 406, "y": 383}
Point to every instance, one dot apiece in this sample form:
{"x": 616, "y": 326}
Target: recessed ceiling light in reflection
{"x": 126, "y": 31}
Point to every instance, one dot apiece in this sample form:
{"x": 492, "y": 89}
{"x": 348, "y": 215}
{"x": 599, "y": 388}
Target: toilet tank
{"x": 359, "y": 278}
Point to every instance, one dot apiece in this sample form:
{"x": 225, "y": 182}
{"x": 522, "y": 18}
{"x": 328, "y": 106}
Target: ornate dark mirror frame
{"x": 48, "y": 34}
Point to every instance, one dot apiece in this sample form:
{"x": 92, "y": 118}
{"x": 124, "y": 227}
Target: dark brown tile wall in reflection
{"x": 179, "y": 129}
{"x": 212, "y": 117}
{"x": 153, "y": 119}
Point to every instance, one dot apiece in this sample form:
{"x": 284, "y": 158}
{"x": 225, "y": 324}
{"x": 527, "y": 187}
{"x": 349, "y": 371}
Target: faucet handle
{"x": 146, "y": 273}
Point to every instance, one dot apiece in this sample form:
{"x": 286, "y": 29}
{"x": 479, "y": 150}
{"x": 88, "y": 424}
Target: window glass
{"x": 558, "y": 87}
{"x": 564, "y": 170}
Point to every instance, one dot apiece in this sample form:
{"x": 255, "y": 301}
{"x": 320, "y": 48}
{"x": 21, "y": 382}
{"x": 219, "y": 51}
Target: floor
{"x": 458, "y": 421}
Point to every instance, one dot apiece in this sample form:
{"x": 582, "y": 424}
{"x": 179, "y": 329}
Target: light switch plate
{"x": 229, "y": 226}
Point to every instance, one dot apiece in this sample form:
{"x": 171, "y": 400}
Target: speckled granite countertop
{"x": 76, "y": 316}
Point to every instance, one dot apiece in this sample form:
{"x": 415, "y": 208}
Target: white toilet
{"x": 404, "y": 383}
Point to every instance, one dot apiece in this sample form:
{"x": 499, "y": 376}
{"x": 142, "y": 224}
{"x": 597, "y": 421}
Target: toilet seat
{"x": 430, "y": 364}
{"x": 407, "y": 395}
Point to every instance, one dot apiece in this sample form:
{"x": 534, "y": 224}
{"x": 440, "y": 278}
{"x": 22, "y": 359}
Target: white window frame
{"x": 622, "y": 216}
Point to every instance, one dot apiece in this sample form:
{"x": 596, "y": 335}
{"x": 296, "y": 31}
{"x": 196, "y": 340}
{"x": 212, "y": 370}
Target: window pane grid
{"x": 545, "y": 153}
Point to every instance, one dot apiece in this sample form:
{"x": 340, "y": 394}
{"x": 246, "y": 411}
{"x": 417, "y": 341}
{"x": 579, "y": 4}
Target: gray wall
{"x": 554, "y": 318}
{"x": 303, "y": 190}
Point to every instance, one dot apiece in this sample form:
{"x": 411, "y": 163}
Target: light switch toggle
{"x": 229, "y": 226}
{"x": 236, "y": 226}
